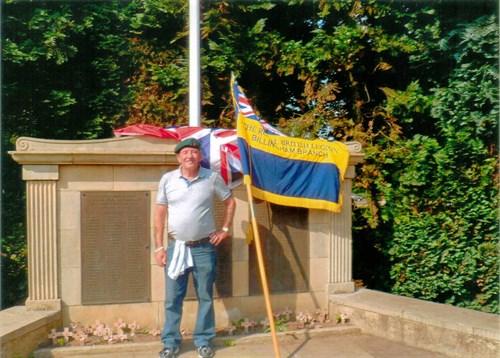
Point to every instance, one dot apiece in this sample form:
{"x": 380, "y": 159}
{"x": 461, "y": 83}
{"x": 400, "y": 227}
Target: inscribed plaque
{"x": 284, "y": 235}
{"x": 115, "y": 247}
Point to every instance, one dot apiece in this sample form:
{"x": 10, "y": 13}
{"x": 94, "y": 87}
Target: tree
{"x": 64, "y": 69}
{"x": 437, "y": 195}
{"x": 159, "y": 84}
{"x": 446, "y": 229}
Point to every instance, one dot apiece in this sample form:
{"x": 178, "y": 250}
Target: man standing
{"x": 188, "y": 195}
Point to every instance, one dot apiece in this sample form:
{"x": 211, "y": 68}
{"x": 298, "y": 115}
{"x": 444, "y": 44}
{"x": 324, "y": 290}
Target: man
{"x": 188, "y": 195}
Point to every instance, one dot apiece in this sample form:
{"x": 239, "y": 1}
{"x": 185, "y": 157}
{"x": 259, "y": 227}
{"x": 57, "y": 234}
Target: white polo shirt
{"x": 191, "y": 204}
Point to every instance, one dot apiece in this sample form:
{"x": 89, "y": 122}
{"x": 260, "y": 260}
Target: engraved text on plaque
{"x": 115, "y": 247}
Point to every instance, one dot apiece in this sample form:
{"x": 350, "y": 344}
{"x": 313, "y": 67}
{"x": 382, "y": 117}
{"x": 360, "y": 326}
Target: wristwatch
{"x": 225, "y": 229}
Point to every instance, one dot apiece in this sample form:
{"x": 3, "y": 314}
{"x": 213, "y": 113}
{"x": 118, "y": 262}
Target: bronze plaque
{"x": 115, "y": 247}
{"x": 284, "y": 235}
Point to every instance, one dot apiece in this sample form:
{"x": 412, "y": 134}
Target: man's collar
{"x": 201, "y": 173}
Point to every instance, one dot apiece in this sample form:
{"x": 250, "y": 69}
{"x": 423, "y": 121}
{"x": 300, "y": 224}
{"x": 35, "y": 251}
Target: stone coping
{"x": 22, "y": 330}
{"x": 131, "y": 150}
{"x": 476, "y": 323}
{"x": 17, "y": 321}
{"x": 124, "y": 150}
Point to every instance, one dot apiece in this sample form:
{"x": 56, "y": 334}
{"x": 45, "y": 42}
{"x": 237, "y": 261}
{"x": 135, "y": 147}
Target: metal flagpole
{"x": 262, "y": 272}
{"x": 194, "y": 64}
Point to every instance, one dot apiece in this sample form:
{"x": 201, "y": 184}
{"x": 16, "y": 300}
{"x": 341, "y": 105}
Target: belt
{"x": 198, "y": 242}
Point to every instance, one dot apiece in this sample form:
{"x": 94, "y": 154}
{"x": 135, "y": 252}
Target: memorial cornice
{"x": 118, "y": 151}
{"x": 356, "y": 154}
{"x": 140, "y": 150}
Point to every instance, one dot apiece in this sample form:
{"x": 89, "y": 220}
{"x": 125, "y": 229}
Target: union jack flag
{"x": 242, "y": 105}
{"x": 219, "y": 146}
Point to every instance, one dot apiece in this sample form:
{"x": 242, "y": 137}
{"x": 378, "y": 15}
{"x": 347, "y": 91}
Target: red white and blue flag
{"x": 219, "y": 146}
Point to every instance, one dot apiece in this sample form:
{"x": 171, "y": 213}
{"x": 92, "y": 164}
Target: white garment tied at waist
{"x": 181, "y": 260}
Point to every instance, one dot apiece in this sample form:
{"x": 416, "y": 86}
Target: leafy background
{"x": 415, "y": 82}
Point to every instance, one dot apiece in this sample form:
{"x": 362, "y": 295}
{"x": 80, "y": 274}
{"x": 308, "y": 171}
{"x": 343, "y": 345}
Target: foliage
{"x": 442, "y": 204}
{"x": 280, "y": 325}
{"x": 80, "y": 44}
{"x": 160, "y": 80}
{"x": 416, "y": 83}
{"x": 64, "y": 68}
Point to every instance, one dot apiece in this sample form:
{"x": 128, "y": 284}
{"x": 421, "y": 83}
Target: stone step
{"x": 453, "y": 331}
{"x": 254, "y": 339}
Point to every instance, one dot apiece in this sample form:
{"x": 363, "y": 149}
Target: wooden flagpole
{"x": 262, "y": 270}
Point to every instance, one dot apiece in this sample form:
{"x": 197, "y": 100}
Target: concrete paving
{"x": 346, "y": 341}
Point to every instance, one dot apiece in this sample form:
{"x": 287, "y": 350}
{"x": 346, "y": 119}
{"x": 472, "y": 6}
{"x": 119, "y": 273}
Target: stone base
{"x": 43, "y": 305}
{"x": 23, "y": 331}
{"x": 340, "y": 287}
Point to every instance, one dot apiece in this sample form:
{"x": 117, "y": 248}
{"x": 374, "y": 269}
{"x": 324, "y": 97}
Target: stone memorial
{"x": 90, "y": 243}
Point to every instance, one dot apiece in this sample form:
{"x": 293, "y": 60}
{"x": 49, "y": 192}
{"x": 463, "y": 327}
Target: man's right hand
{"x": 161, "y": 258}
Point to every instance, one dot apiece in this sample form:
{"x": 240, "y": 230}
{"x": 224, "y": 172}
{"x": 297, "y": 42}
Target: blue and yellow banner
{"x": 285, "y": 170}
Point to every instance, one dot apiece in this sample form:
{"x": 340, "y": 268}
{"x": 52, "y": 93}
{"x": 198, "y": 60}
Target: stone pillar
{"x": 340, "y": 278}
{"x": 41, "y": 216}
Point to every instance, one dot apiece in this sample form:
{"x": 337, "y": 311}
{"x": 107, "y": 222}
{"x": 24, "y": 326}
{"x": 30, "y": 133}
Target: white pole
{"x": 194, "y": 64}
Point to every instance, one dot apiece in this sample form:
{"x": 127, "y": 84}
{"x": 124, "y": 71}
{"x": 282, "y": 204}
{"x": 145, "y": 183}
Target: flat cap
{"x": 188, "y": 142}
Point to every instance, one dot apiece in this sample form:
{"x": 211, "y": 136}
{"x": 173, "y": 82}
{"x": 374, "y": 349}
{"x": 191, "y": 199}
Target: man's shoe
{"x": 205, "y": 352}
{"x": 168, "y": 352}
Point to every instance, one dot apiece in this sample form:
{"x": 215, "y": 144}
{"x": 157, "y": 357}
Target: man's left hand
{"x": 217, "y": 237}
